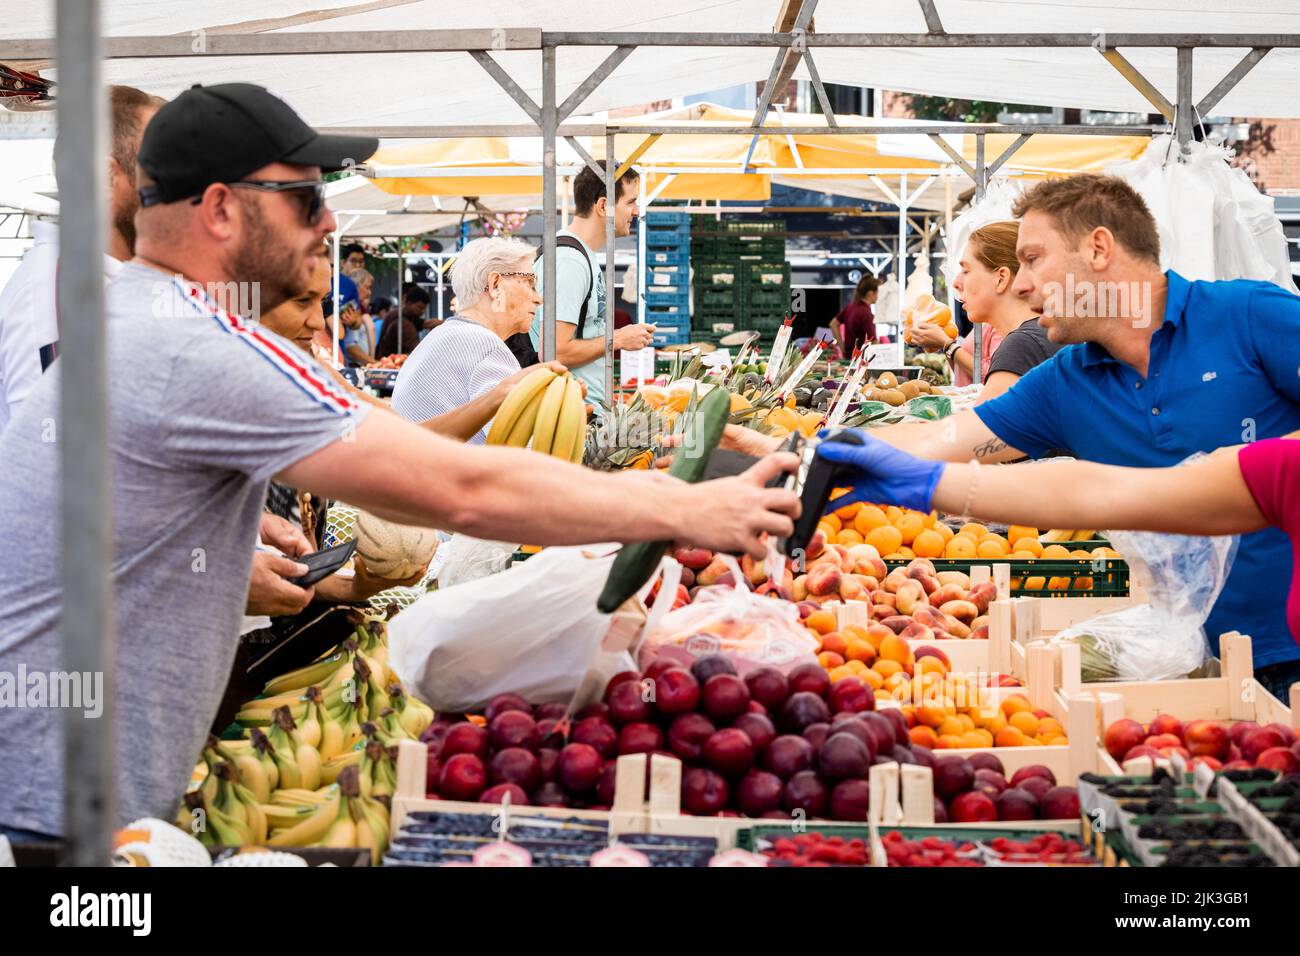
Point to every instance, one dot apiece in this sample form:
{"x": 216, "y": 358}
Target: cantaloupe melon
{"x": 393, "y": 551}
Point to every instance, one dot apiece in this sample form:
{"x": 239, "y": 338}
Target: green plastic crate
{"x": 1109, "y": 577}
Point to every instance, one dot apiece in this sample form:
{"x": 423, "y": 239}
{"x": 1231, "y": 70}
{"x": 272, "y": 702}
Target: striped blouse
{"x": 453, "y": 365}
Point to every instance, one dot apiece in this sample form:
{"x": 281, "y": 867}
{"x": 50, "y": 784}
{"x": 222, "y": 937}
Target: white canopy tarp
{"x": 440, "y": 88}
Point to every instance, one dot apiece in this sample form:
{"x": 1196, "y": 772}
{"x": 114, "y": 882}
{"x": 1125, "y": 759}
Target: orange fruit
{"x": 893, "y": 513}
{"x": 910, "y": 525}
{"x": 1080, "y": 553}
{"x": 975, "y": 529}
{"x": 931, "y": 519}
{"x": 823, "y": 621}
{"x": 928, "y": 544}
{"x": 895, "y": 648}
{"x": 827, "y": 530}
{"x": 869, "y": 517}
{"x": 1032, "y": 545}
{"x": 886, "y": 539}
{"x": 830, "y": 661}
{"x": 1022, "y": 555}
{"x": 848, "y": 537}
{"x": 950, "y": 726}
{"x": 906, "y": 553}
{"x": 944, "y": 531}
{"x": 1058, "y": 584}
{"x": 896, "y": 556}
{"x": 960, "y": 548}
{"x": 836, "y": 642}
{"x": 860, "y": 650}
{"x": 1025, "y": 722}
{"x": 1035, "y": 583}
{"x": 992, "y": 547}
{"x": 1018, "y": 531}
{"x": 1009, "y": 737}
{"x": 1015, "y": 703}
{"x": 1055, "y": 552}
{"x": 886, "y": 669}
{"x": 848, "y": 512}
{"x": 833, "y": 520}
{"x": 923, "y": 737}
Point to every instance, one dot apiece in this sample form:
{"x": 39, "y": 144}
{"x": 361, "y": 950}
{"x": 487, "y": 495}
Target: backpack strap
{"x": 573, "y": 242}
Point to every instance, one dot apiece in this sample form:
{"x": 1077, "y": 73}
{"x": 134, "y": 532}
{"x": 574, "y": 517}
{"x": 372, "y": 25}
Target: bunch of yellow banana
{"x": 546, "y": 410}
{"x": 414, "y": 715}
{"x": 346, "y": 818}
{"x": 298, "y": 762}
{"x": 378, "y": 770}
{"x": 1066, "y": 535}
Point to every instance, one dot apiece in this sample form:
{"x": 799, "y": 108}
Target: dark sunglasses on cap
{"x": 314, "y": 188}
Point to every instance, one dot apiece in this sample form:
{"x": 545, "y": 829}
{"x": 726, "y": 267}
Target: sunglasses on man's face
{"x": 312, "y": 193}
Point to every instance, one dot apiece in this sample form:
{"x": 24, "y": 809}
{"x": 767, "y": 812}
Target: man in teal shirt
{"x": 580, "y": 283}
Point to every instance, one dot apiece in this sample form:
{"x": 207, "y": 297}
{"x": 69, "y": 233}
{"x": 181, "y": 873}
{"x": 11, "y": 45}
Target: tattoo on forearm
{"x": 990, "y": 447}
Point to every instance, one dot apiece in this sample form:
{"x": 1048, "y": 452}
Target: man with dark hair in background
{"x": 352, "y": 256}
{"x": 29, "y": 321}
{"x": 580, "y": 283}
{"x": 414, "y": 302}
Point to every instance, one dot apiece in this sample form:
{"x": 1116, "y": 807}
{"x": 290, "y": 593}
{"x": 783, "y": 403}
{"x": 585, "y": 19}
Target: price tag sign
{"x": 639, "y": 365}
{"x": 801, "y": 370}
{"x": 718, "y": 359}
{"x": 777, "y": 356}
{"x": 847, "y": 393}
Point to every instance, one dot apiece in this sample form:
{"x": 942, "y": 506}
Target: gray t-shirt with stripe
{"x": 204, "y": 409}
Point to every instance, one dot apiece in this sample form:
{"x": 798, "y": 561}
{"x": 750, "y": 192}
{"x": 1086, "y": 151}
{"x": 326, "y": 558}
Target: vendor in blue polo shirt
{"x": 1157, "y": 368}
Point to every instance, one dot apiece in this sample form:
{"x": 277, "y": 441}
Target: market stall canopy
{"x": 364, "y": 209}
{"x": 441, "y": 88}
{"x": 493, "y": 166}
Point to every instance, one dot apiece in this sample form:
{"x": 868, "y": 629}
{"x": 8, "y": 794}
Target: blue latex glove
{"x": 882, "y": 474}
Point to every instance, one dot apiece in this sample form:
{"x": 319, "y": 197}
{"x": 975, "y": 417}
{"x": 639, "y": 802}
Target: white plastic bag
{"x": 1164, "y": 639}
{"x": 994, "y": 207}
{"x": 468, "y": 559}
{"x": 1212, "y": 221}
{"x": 532, "y": 629}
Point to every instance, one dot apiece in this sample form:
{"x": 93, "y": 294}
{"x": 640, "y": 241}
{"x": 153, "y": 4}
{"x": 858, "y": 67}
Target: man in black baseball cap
{"x": 236, "y": 146}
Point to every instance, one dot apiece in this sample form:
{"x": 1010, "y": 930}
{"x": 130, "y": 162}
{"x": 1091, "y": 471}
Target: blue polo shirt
{"x": 1224, "y": 370}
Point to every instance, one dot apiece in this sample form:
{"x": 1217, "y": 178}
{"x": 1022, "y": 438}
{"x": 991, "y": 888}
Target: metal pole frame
{"x": 88, "y": 619}
{"x": 550, "y": 123}
{"x": 611, "y": 187}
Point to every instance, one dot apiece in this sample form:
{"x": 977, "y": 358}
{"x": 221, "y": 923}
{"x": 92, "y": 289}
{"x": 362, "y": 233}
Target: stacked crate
{"x": 741, "y": 274}
{"x": 667, "y": 277}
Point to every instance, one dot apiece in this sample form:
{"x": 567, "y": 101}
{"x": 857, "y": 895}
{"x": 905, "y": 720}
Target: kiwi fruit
{"x": 910, "y": 389}
{"x": 886, "y": 380}
{"x": 892, "y": 396}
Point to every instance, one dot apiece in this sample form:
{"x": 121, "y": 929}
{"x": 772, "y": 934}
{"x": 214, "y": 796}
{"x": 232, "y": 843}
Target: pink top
{"x": 991, "y": 340}
{"x": 1271, "y": 468}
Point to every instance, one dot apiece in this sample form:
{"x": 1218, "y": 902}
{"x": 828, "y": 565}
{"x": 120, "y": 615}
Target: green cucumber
{"x": 636, "y": 562}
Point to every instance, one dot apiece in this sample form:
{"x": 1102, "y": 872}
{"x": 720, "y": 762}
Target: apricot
{"x": 895, "y": 648}
{"x": 948, "y": 742}
{"x": 821, "y": 621}
{"x": 1009, "y": 737}
{"x": 973, "y": 739}
{"x": 839, "y": 672}
{"x": 1018, "y": 531}
{"x": 835, "y": 642}
{"x": 950, "y": 726}
{"x": 910, "y": 525}
{"x": 961, "y": 548}
{"x": 832, "y": 520}
{"x": 867, "y": 518}
{"x": 848, "y": 512}
{"x": 872, "y": 677}
{"x": 855, "y": 666}
{"x": 930, "y": 665}
{"x": 886, "y": 668}
{"x": 931, "y": 715}
{"x": 860, "y": 650}
{"x": 928, "y": 544}
{"x": 923, "y": 736}
{"x": 1014, "y": 703}
{"x": 1025, "y": 722}
{"x": 1058, "y": 740}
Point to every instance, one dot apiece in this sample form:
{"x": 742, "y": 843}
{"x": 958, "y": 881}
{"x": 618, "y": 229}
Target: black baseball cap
{"x": 221, "y": 133}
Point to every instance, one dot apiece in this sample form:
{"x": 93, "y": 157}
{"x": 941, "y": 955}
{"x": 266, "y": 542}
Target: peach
{"x": 755, "y": 571}
{"x": 713, "y": 573}
{"x": 772, "y": 589}
{"x": 816, "y": 545}
{"x": 897, "y": 622}
{"x": 884, "y": 597}
{"x": 924, "y": 565}
{"x": 928, "y": 651}
{"x": 840, "y": 554}
{"x": 882, "y": 611}
{"x": 823, "y": 578}
{"x": 981, "y": 594}
{"x": 960, "y": 630}
{"x": 946, "y": 593}
{"x": 961, "y": 610}
{"x": 958, "y": 578}
{"x": 916, "y": 631}
{"x": 806, "y": 607}
{"x": 799, "y": 588}
{"x": 910, "y": 596}
{"x": 930, "y": 617}
{"x": 697, "y": 559}
{"x": 928, "y": 581}
{"x": 852, "y": 588}
{"x": 875, "y": 567}
{"x": 981, "y": 621}
{"x": 894, "y": 580}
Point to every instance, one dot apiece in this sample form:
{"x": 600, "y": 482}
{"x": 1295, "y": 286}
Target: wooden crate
{"x": 1017, "y": 623}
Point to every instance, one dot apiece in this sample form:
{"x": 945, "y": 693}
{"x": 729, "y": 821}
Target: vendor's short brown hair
{"x": 1079, "y": 204}
{"x": 126, "y": 106}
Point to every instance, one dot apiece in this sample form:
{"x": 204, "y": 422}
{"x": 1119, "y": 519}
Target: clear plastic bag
{"x": 1165, "y": 638}
{"x": 755, "y": 630}
{"x": 468, "y": 559}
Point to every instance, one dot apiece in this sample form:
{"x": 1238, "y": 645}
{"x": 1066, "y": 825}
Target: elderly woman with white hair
{"x": 467, "y": 355}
